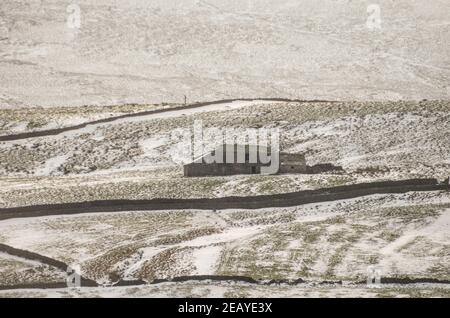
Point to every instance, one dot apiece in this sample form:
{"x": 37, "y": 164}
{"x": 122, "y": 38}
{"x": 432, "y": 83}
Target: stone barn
{"x": 292, "y": 163}
{"x": 237, "y": 159}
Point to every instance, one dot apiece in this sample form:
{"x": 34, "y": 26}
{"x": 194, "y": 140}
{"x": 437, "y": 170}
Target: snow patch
{"x": 205, "y": 259}
{"x": 51, "y": 165}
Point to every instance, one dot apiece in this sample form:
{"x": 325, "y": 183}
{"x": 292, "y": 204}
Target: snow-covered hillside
{"x": 160, "y": 50}
{"x": 404, "y": 235}
{"x": 138, "y": 158}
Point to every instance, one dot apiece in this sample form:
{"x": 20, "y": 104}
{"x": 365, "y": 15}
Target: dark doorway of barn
{"x": 253, "y": 170}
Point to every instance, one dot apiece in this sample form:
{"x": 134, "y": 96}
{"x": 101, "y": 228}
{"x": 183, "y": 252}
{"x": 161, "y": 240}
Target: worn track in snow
{"x": 57, "y": 131}
{"x": 250, "y": 202}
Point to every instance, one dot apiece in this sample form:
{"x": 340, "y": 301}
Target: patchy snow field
{"x": 17, "y": 270}
{"x": 139, "y": 158}
{"x": 144, "y": 51}
{"x": 402, "y": 235}
{"x": 14, "y": 121}
{"x": 143, "y": 55}
{"x": 236, "y": 290}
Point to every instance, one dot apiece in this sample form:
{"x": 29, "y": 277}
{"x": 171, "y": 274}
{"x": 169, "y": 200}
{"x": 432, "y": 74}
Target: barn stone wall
{"x": 220, "y": 169}
{"x": 292, "y": 163}
{"x": 288, "y": 163}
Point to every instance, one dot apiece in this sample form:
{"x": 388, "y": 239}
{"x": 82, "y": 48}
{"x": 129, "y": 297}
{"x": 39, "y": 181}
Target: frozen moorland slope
{"x": 156, "y": 51}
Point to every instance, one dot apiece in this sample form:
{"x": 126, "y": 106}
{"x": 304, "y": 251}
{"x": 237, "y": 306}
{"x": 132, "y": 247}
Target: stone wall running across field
{"x": 250, "y": 202}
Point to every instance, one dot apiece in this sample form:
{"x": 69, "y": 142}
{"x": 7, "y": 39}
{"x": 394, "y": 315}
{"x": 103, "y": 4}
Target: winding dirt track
{"x": 250, "y": 202}
{"x": 57, "y": 131}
